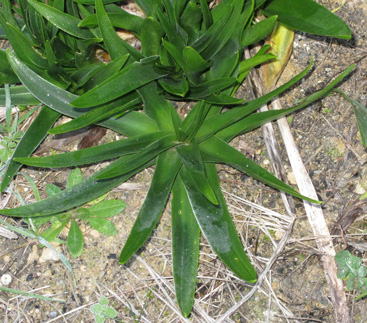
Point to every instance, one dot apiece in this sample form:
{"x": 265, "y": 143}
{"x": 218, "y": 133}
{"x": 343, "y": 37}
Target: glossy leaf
{"x": 151, "y": 36}
{"x": 307, "y": 16}
{"x": 125, "y": 81}
{"x": 50, "y": 94}
{"x": 168, "y": 165}
{"x": 185, "y": 247}
{"x": 22, "y": 45}
{"x": 75, "y": 240}
{"x": 190, "y": 20}
{"x": 61, "y": 20}
{"x": 257, "y": 32}
{"x": 125, "y": 165}
{"x": 31, "y": 139}
{"x": 121, "y": 19}
{"x": 111, "y": 40}
{"x": 215, "y": 150}
{"x": 218, "y": 122}
{"x": 19, "y": 95}
{"x": 177, "y": 87}
{"x": 193, "y": 64}
{"x": 250, "y": 63}
{"x": 191, "y": 158}
{"x": 94, "y": 154}
{"x": 98, "y": 114}
{"x": 74, "y": 196}
{"x": 216, "y": 224}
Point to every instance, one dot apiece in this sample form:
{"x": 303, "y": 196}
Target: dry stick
{"x": 317, "y": 221}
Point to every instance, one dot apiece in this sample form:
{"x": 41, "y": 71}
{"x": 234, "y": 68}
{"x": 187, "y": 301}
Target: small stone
{"x": 278, "y": 235}
{"x": 359, "y": 189}
{"x": 52, "y": 314}
{"x": 6, "y": 280}
{"x": 48, "y": 255}
{"x": 291, "y": 178}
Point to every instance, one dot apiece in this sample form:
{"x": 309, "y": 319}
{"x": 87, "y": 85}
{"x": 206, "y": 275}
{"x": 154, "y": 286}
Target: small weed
{"x": 101, "y": 310}
{"x": 352, "y": 271}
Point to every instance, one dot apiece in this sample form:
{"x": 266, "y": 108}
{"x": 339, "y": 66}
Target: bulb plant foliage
{"x": 190, "y": 51}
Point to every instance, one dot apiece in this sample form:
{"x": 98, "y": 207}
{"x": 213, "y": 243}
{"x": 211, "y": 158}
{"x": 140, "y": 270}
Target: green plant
{"x": 101, "y": 310}
{"x": 351, "y": 269}
{"x": 95, "y": 215}
{"x": 189, "y": 52}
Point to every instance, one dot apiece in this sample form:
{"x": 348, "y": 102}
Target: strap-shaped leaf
{"x": 258, "y": 119}
{"x": 185, "y": 247}
{"x": 31, "y": 139}
{"x": 105, "y": 72}
{"x": 194, "y": 119}
{"x": 168, "y": 165}
{"x": 61, "y": 20}
{"x": 211, "y": 87}
{"x": 307, "y": 16}
{"x": 95, "y": 154}
{"x": 193, "y": 64}
{"x": 111, "y": 40}
{"x": 158, "y": 108}
{"x": 191, "y": 157}
{"x": 121, "y": 19}
{"x": 19, "y": 95}
{"x": 149, "y": 6}
{"x": 22, "y": 45}
{"x": 94, "y": 116}
{"x": 74, "y": 196}
{"x": 176, "y": 87}
{"x": 218, "y": 122}
{"x": 209, "y": 36}
{"x": 50, "y": 94}
{"x": 125, "y": 165}
{"x": 151, "y": 36}
{"x": 217, "y": 226}
{"x": 214, "y": 150}
{"x": 190, "y": 20}
{"x": 250, "y": 63}
{"x": 125, "y": 81}
{"x": 259, "y": 31}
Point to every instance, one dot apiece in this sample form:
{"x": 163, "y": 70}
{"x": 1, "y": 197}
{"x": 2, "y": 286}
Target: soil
{"x": 295, "y": 289}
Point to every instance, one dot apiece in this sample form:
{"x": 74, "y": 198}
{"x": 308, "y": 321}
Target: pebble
{"x": 6, "y": 280}
{"x": 48, "y": 255}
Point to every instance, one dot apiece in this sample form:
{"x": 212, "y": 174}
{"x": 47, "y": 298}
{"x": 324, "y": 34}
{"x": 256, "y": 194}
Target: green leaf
{"x": 23, "y": 46}
{"x": 151, "y": 37}
{"x": 52, "y": 189}
{"x": 120, "y": 19}
{"x": 61, "y": 20}
{"x": 307, "y": 16}
{"x": 193, "y": 64}
{"x": 34, "y": 135}
{"x": 125, "y": 81}
{"x": 53, "y": 232}
{"x": 95, "y": 154}
{"x": 149, "y": 6}
{"x": 103, "y": 226}
{"x": 210, "y": 87}
{"x": 177, "y": 87}
{"x": 111, "y": 40}
{"x": 105, "y": 72}
{"x": 110, "y": 312}
{"x": 220, "y": 121}
{"x": 257, "y": 32}
{"x": 123, "y": 104}
{"x": 166, "y": 170}
{"x": 125, "y": 165}
{"x": 106, "y": 209}
{"x": 75, "y": 177}
{"x": 50, "y": 94}
{"x": 216, "y": 224}
{"x": 191, "y": 157}
{"x": 185, "y": 247}
{"x": 19, "y": 95}
{"x": 250, "y": 63}
{"x": 214, "y": 150}
{"x": 190, "y": 20}
{"x": 75, "y": 240}
{"x": 74, "y": 196}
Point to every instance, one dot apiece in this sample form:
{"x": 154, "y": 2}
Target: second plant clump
{"x": 190, "y": 51}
